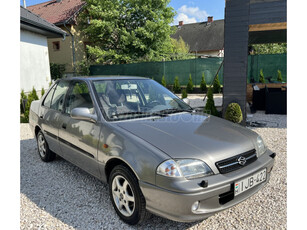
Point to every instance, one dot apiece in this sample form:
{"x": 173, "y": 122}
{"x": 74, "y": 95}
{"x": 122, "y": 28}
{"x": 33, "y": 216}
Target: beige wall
{"x": 65, "y": 54}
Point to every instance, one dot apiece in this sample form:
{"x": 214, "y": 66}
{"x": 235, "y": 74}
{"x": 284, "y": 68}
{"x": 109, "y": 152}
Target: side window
{"x": 59, "y": 95}
{"x": 79, "y": 96}
{"x": 47, "y": 101}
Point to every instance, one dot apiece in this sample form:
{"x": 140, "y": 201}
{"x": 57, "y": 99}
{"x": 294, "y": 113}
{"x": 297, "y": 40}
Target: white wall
{"x": 34, "y": 61}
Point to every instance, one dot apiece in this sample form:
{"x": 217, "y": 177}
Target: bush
{"x": 184, "y": 94}
{"x": 31, "y": 97}
{"x": 261, "y": 78}
{"x": 163, "y": 82}
{"x": 23, "y": 96}
{"x": 176, "y": 87}
{"x": 216, "y": 85}
{"x": 279, "y": 77}
{"x": 190, "y": 85}
{"x": 42, "y": 92}
{"x": 210, "y": 107}
{"x": 203, "y": 84}
{"x": 233, "y": 113}
{"x": 82, "y": 68}
{"x": 57, "y": 70}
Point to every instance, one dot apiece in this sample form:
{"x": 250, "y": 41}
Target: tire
{"x": 126, "y": 196}
{"x": 43, "y": 149}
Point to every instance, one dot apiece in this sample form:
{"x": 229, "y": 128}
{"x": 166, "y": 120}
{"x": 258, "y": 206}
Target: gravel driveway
{"x": 58, "y": 195}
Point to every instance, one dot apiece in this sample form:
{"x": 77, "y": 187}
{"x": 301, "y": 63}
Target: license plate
{"x": 250, "y": 182}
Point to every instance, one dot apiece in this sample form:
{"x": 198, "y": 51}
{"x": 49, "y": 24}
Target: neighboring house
{"x": 205, "y": 38}
{"x": 64, "y": 13}
{"x": 34, "y": 58}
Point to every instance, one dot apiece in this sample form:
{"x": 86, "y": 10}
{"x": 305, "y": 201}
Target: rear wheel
{"x": 43, "y": 149}
{"x": 126, "y": 196}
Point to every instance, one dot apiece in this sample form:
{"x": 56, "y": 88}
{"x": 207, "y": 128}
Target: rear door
{"x": 79, "y": 139}
{"x": 50, "y": 112}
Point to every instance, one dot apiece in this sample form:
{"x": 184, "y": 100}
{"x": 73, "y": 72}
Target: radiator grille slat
{"x": 232, "y": 163}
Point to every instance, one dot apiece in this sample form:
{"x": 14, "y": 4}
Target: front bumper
{"x": 176, "y": 205}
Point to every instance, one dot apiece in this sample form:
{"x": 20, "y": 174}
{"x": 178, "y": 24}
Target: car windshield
{"x": 135, "y": 98}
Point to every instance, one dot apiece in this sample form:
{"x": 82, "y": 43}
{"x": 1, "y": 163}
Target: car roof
{"x": 105, "y": 77}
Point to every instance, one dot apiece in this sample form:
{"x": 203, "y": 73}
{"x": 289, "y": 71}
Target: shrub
{"x": 190, "y": 85}
{"x": 261, "y": 78}
{"x": 203, "y": 84}
{"x": 233, "y": 113}
{"x": 23, "y": 96}
{"x": 82, "y": 68}
{"x": 216, "y": 85}
{"x": 184, "y": 94}
{"x": 279, "y": 77}
{"x": 163, "y": 82}
{"x": 31, "y": 97}
{"x": 176, "y": 87}
{"x": 56, "y": 70}
{"x": 42, "y": 92}
{"x": 210, "y": 107}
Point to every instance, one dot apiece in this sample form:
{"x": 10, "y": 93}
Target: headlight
{"x": 187, "y": 168}
{"x": 261, "y": 146}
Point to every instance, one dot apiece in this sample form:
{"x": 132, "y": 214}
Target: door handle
{"x": 64, "y": 125}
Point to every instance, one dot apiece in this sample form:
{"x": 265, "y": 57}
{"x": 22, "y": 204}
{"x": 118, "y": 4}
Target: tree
{"x": 203, "y": 84}
{"x": 163, "y": 81}
{"x": 261, "y": 78}
{"x": 125, "y": 31}
{"x": 270, "y": 48}
{"x": 210, "y": 106}
{"x": 216, "y": 85}
{"x": 176, "y": 87}
{"x": 184, "y": 94}
{"x": 279, "y": 77}
{"x": 190, "y": 85}
{"x": 180, "y": 50}
{"x": 234, "y": 113}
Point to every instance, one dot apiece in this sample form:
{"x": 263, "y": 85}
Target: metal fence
{"x": 196, "y": 67}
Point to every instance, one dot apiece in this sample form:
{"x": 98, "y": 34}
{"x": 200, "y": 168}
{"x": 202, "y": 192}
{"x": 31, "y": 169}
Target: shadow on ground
{"x": 72, "y": 196}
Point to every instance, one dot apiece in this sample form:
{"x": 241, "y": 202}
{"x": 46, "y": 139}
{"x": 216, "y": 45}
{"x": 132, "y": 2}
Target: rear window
{"x": 48, "y": 98}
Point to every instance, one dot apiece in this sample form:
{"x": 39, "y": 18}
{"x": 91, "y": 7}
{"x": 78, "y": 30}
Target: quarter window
{"x": 47, "y": 101}
{"x": 59, "y": 95}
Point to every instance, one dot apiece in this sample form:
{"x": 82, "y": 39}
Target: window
{"x": 47, "y": 101}
{"x": 79, "y": 96}
{"x": 59, "y": 96}
{"x": 56, "y": 46}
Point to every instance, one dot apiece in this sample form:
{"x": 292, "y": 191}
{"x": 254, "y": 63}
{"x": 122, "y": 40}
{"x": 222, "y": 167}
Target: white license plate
{"x": 250, "y": 182}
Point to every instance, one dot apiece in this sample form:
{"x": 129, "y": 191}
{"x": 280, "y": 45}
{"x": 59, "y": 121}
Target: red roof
{"x": 57, "y": 12}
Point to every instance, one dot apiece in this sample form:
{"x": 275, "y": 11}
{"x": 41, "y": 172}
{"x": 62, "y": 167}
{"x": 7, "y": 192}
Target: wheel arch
{"x": 111, "y": 163}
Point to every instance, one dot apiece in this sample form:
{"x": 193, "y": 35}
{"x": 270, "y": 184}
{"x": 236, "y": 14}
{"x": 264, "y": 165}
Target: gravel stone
{"x": 59, "y": 195}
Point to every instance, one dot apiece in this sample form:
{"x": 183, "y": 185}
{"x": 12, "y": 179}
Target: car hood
{"x": 190, "y": 135}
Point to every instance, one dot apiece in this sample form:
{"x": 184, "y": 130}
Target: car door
{"x": 50, "y": 112}
{"x": 79, "y": 139}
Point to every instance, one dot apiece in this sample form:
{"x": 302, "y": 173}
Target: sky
{"x": 188, "y": 11}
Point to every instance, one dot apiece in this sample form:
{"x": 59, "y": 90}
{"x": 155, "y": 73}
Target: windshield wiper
{"x": 173, "y": 110}
{"x": 139, "y": 113}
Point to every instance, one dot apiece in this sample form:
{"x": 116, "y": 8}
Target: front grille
{"x": 232, "y": 163}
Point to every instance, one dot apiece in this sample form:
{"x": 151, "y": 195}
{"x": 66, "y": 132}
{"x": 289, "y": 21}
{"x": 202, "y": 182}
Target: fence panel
{"x": 270, "y": 63}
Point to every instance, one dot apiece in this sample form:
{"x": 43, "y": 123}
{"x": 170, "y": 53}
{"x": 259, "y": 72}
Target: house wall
{"x": 65, "y": 54}
{"x": 34, "y": 62}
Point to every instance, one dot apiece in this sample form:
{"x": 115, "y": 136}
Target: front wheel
{"x": 126, "y": 196}
{"x": 43, "y": 149}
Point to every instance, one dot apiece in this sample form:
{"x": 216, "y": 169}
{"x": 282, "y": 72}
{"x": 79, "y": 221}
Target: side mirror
{"x": 83, "y": 114}
{"x": 186, "y": 100}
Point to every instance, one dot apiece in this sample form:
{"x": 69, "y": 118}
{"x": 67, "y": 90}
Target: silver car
{"x": 157, "y": 154}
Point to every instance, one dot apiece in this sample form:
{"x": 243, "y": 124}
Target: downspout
{"x": 72, "y": 47}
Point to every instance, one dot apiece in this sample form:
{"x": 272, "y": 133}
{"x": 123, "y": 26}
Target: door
{"x": 79, "y": 139}
{"x": 50, "y": 112}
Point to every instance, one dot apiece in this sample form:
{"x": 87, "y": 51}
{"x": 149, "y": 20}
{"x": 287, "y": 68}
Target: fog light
{"x": 195, "y": 206}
